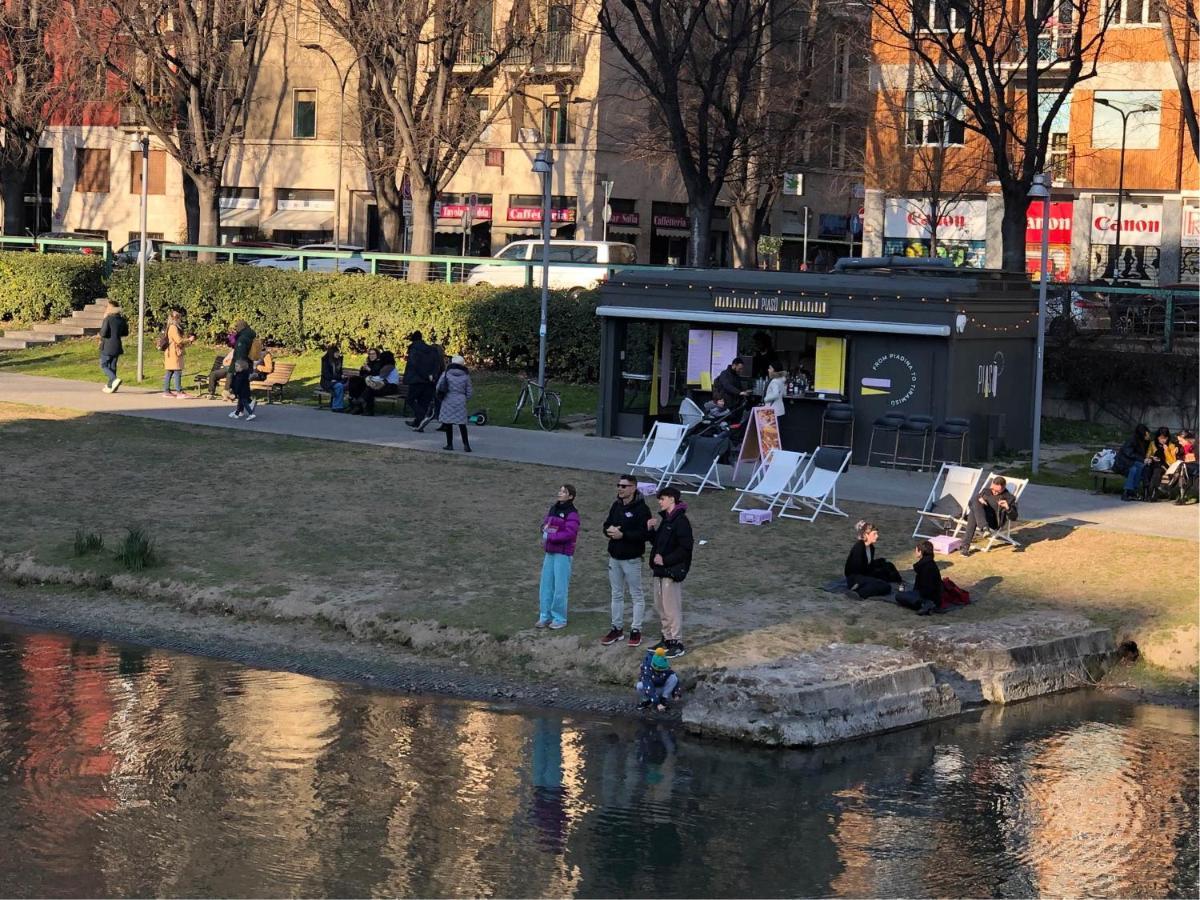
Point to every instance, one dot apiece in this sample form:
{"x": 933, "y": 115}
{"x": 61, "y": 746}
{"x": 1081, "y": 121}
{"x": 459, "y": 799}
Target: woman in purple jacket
{"x": 559, "y": 530}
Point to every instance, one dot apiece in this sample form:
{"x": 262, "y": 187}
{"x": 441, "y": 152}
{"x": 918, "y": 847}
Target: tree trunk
{"x": 207, "y": 194}
{"x": 1187, "y": 105}
{"x": 390, "y": 204}
{"x": 1012, "y": 228}
{"x": 14, "y": 200}
{"x": 191, "y": 209}
{"x": 422, "y": 228}
{"x": 744, "y": 235}
{"x": 700, "y": 212}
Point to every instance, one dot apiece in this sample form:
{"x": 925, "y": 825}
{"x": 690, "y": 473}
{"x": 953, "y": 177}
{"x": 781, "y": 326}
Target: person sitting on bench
{"x": 223, "y": 371}
{"x": 263, "y": 366}
{"x": 869, "y": 575}
{"x": 994, "y": 506}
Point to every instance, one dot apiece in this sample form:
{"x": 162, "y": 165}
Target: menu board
{"x": 762, "y": 436}
{"x": 709, "y": 352}
{"x": 724, "y": 350}
{"x": 829, "y": 377}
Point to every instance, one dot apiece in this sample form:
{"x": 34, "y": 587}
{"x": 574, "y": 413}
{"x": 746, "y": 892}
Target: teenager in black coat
{"x": 926, "y": 595}
{"x": 869, "y": 575}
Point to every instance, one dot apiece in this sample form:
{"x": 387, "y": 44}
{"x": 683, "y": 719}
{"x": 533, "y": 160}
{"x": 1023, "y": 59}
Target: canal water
{"x": 134, "y": 772}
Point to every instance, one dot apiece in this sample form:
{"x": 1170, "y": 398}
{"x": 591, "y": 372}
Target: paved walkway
{"x": 571, "y": 451}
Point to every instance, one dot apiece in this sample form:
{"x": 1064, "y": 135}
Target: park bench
{"x": 1100, "y": 480}
{"x": 275, "y": 382}
{"x": 396, "y": 401}
{"x": 200, "y": 384}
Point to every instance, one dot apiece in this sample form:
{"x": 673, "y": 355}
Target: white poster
{"x": 1189, "y": 225}
{"x": 1141, "y": 223}
{"x": 965, "y": 220}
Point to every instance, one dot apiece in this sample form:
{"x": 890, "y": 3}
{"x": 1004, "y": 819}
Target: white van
{"x": 561, "y": 277}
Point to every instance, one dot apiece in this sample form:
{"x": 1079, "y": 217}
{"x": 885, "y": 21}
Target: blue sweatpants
{"x": 556, "y": 577}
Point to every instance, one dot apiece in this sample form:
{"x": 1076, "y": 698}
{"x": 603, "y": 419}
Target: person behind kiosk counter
{"x": 728, "y": 386}
{"x": 869, "y": 575}
{"x": 926, "y": 595}
{"x": 994, "y": 506}
{"x": 776, "y": 387}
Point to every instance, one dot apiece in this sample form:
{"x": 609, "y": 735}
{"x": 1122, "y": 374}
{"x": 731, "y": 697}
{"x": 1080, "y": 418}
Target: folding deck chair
{"x": 1016, "y": 486}
{"x": 949, "y": 502}
{"x": 696, "y": 463}
{"x": 775, "y": 476}
{"x": 818, "y": 485}
{"x": 658, "y": 453}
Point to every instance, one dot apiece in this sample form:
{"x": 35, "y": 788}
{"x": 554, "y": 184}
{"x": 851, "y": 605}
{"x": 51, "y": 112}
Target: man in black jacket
{"x": 421, "y": 370}
{"x": 627, "y": 531}
{"x": 994, "y": 506}
{"x": 728, "y": 386}
{"x": 670, "y": 564}
{"x": 112, "y": 329}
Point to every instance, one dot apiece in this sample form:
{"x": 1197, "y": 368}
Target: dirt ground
{"x": 439, "y": 554}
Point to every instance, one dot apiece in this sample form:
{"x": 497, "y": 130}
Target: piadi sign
{"x": 892, "y": 375}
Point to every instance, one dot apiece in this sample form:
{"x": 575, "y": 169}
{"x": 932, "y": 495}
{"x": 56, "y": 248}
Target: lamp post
{"x": 606, "y": 214}
{"x": 543, "y": 164}
{"x": 1040, "y": 190}
{"x": 1124, "y": 114}
{"x": 143, "y": 140}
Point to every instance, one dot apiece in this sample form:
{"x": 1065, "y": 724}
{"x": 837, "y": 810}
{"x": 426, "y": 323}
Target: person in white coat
{"x": 773, "y": 396}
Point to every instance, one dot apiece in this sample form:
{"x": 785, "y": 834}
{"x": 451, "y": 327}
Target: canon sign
{"x": 1129, "y": 226}
{"x": 965, "y": 220}
{"x": 1141, "y": 224}
{"x": 922, "y": 220}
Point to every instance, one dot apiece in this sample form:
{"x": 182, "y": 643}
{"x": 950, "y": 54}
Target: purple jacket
{"x": 561, "y": 527}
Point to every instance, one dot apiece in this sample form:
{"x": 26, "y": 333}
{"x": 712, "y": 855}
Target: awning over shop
{"x": 685, "y": 315}
{"x": 531, "y": 231}
{"x": 671, "y": 232}
{"x": 240, "y": 218}
{"x": 632, "y": 230}
{"x": 299, "y": 220}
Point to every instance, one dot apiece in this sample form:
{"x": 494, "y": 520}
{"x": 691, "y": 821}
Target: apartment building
{"x": 947, "y": 166}
{"x": 281, "y": 181}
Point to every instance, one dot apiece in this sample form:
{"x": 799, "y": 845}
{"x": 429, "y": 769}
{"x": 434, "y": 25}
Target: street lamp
{"x": 1124, "y": 114}
{"x": 143, "y": 141}
{"x": 543, "y": 164}
{"x": 1040, "y": 190}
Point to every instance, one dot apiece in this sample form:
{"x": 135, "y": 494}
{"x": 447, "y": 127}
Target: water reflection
{"x": 125, "y": 772}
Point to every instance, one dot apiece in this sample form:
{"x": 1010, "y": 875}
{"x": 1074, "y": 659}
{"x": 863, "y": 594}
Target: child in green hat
{"x": 657, "y": 685}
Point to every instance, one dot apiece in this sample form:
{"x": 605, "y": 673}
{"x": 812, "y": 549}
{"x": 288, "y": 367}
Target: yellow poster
{"x": 830, "y": 377}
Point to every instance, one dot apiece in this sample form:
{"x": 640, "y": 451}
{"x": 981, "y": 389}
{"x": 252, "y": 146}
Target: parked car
{"x": 248, "y": 258}
{"x": 1070, "y": 312}
{"x": 354, "y": 265}
{"x": 128, "y": 255}
{"x": 71, "y": 236}
{"x": 561, "y": 277}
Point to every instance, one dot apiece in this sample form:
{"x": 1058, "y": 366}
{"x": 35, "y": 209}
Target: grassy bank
{"x": 77, "y": 359}
{"x": 440, "y": 554}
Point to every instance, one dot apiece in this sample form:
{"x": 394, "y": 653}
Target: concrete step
{"x": 84, "y": 319}
{"x": 33, "y": 337}
{"x": 12, "y": 344}
{"x": 65, "y": 330}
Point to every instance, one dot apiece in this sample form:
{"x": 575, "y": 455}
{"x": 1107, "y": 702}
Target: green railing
{"x": 1131, "y": 311}
{"x": 40, "y": 245}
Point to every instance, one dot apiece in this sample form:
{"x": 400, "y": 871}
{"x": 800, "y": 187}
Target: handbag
{"x": 374, "y": 382}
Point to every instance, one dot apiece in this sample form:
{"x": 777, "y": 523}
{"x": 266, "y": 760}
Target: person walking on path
{"x": 173, "y": 354}
{"x": 112, "y": 329}
{"x": 453, "y": 391}
{"x": 670, "y": 564}
{"x": 243, "y": 347}
{"x": 560, "y": 528}
{"x": 421, "y": 370}
{"x": 994, "y": 506}
{"x": 627, "y": 531}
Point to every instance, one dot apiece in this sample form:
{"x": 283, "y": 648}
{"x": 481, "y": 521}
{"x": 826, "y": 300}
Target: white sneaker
{"x": 251, "y": 416}
{"x": 235, "y": 415}
{"x": 253, "y": 404}
{"x": 116, "y": 384}
{"x": 106, "y": 389}
{"x": 168, "y": 395}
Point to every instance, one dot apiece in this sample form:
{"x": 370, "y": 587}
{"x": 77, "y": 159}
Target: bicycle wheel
{"x": 520, "y": 404}
{"x": 547, "y": 411}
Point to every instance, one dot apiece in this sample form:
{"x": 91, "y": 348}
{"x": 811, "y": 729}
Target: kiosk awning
{"x": 239, "y": 218}
{"x": 299, "y": 220}
{"x": 685, "y": 315}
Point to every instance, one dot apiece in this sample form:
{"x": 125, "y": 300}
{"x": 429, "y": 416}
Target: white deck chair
{"x": 689, "y": 412}
{"x": 817, "y": 491}
{"x": 696, "y": 465}
{"x": 659, "y": 452}
{"x": 1016, "y": 487}
{"x": 776, "y": 475}
{"x": 953, "y": 486}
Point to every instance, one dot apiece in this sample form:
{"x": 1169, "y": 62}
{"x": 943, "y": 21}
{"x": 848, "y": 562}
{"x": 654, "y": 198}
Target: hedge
{"x": 35, "y": 287}
{"x": 1124, "y": 384}
{"x": 492, "y": 327}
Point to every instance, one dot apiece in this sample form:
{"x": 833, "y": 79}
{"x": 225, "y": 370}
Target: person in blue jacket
{"x": 657, "y": 685}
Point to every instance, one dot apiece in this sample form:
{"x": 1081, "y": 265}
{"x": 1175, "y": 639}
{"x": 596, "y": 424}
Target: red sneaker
{"x": 635, "y": 638}
{"x": 614, "y": 635}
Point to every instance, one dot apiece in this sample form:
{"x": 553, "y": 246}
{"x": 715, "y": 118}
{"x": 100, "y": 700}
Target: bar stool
{"x": 947, "y": 433}
{"x": 841, "y": 417}
{"x": 914, "y": 427}
{"x": 885, "y": 428}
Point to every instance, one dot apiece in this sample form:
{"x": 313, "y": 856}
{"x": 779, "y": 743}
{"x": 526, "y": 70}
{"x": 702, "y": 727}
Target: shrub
{"x": 87, "y": 542}
{"x": 494, "y": 327}
{"x": 136, "y": 551}
{"x": 35, "y": 287}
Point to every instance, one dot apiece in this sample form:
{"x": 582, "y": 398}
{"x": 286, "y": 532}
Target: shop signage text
{"x": 666, "y": 221}
{"x": 534, "y": 214}
{"x": 894, "y": 376}
{"x": 1190, "y": 226}
{"x": 456, "y": 210}
{"x": 624, "y": 218}
{"x": 965, "y": 220}
{"x": 770, "y": 304}
{"x": 1060, "y": 223}
{"x": 1141, "y": 224}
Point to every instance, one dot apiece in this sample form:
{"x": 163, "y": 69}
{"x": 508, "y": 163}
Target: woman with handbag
{"x": 452, "y": 393}
{"x": 357, "y": 386}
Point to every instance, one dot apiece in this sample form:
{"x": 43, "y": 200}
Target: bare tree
{"x": 1183, "y": 12}
{"x": 39, "y": 81}
{"x": 432, "y": 66}
{"x": 699, "y": 63}
{"x": 188, "y": 69}
{"x": 1010, "y": 67}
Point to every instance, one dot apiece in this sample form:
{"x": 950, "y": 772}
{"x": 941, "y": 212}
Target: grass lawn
{"x": 441, "y": 553}
{"x": 77, "y": 359}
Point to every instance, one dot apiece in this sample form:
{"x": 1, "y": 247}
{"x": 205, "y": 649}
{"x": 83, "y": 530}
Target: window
{"x": 477, "y": 111}
{"x": 156, "y": 171}
{"x": 941, "y": 15}
{"x": 1142, "y": 111}
{"x": 91, "y": 171}
{"x": 514, "y": 251}
{"x": 1060, "y": 157}
{"x": 837, "y": 147}
{"x": 1133, "y": 12}
{"x": 558, "y": 16}
{"x": 556, "y": 124}
{"x": 933, "y": 120}
{"x": 304, "y": 114}
{"x": 841, "y": 68}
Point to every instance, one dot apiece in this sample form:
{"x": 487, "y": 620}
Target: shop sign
{"x": 987, "y": 380}
{"x": 456, "y": 211}
{"x": 667, "y": 221}
{"x": 769, "y": 303}
{"x": 1141, "y": 224}
{"x": 1060, "y": 223}
{"x": 318, "y": 205}
{"x": 965, "y": 220}
{"x": 624, "y": 218}
{"x": 893, "y": 376}
{"x": 534, "y": 214}
{"x": 1189, "y": 226}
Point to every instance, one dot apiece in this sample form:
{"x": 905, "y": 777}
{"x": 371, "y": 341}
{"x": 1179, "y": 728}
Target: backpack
{"x": 953, "y": 595}
{"x": 1104, "y": 460}
{"x": 163, "y": 341}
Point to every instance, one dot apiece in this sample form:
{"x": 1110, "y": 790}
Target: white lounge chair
{"x": 696, "y": 464}
{"x": 775, "y": 476}
{"x": 949, "y": 502}
{"x": 659, "y": 452}
{"x": 1016, "y": 487}
{"x": 817, "y": 491}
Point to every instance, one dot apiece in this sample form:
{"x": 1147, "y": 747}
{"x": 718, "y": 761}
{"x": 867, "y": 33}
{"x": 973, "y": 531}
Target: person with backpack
{"x": 452, "y": 392}
{"x": 174, "y": 345}
{"x": 670, "y": 563}
{"x": 926, "y": 595}
{"x": 657, "y": 685}
{"x": 243, "y": 350}
{"x": 560, "y": 529}
{"x": 112, "y": 329}
{"x": 627, "y": 530}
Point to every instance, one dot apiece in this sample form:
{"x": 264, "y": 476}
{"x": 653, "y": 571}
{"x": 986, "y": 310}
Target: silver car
{"x": 354, "y": 265}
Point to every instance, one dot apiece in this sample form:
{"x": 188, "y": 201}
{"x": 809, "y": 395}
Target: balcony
{"x": 131, "y": 117}
{"x": 1053, "y": 47}
{"x": 475, "y": 51}
{"x": 553, "y": 51}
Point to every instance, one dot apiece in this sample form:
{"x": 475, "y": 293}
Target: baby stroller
{"x": 727, "y": 424}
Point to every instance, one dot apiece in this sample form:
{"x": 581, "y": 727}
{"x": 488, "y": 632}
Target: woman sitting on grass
{"x": 926, "y": 595}
{"x": 869, "y": 575}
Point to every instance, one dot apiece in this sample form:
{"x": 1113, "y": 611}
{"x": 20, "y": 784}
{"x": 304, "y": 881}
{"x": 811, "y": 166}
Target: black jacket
{"x": 993, "y": 500}
{"x": 242, "y": 344}
{"x": 1133, "y": 451}
{"x": 632, "y": 521}
{"x": 727, "y": 386}
{"x": 112, "y": 329}
{"x": 331, "y": 371}
{"x": 858, "y": 562}
{"x": 423, "y": 364}
{"x": 928, "y": 581}
{"x": 673, "y": 541}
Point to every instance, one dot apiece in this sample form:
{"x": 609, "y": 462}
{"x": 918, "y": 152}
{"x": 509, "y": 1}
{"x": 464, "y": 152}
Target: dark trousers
{"x": 216, "y": 375}
{"x": 369, "y": 395}
{"x": 241, "y": 390}
{"x": 912, "y": 600}
{"x": 982, "y": 516}
{"x": 867, "y": 586}
{"x": 420, "y": 395}
{"x": 108, "y": 365}
{"x": 462, "y": 433}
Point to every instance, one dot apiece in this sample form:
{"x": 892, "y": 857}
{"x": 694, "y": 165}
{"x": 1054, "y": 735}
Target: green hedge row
{"x": 492, "y": 327}
{"x": 35, "y": 287}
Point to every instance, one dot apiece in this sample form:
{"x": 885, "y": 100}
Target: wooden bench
{"x": 200, "y": 384}
{"x": 397, "y": 400}
{"x": 274, "y": 383}
{"x": 1100, "y": 480}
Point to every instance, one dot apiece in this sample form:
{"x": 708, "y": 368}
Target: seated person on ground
{"x": 926, "y": 595}
{"x": 657, "y": 685}
{"x": 993, "y": 508}
{"x": 869, "y": 575}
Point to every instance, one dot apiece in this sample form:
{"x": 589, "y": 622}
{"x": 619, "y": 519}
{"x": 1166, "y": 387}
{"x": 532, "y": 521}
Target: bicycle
{"x": 545, "y": 405}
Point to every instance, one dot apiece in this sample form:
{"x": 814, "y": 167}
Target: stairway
{"x": 80, "y": 323}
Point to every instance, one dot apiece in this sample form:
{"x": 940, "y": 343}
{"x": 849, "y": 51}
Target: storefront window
{"x": 1189, "y": 243}
{"x": 1059, "y": 263}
